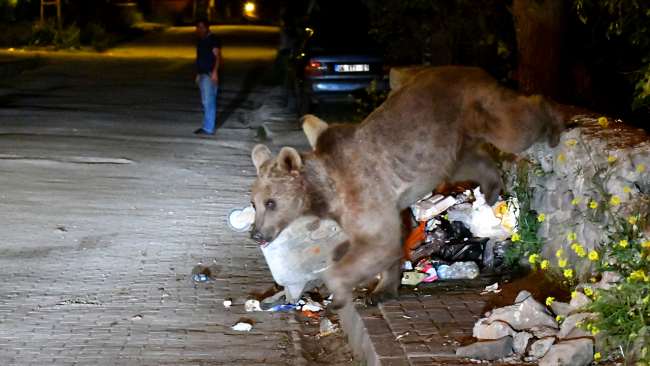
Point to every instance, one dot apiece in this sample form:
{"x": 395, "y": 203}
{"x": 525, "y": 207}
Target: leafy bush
{"x": 44, "y": 33}
{"x": 70, "y": 37}
{"x": 95, "y": 35}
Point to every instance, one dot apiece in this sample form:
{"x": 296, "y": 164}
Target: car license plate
{"x": 352, "y": 68}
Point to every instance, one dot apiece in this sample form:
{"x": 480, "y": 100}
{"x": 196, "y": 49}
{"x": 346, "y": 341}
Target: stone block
{"x": 576, "y": 352}
{"x": 487, "y": 350}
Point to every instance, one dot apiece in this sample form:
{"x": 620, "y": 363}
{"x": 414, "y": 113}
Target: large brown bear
{"x": 363, "y": 175}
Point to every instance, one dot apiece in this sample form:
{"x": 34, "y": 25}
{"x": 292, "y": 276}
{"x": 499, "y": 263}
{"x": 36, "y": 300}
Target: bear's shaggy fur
{"x": 427, "y": 132}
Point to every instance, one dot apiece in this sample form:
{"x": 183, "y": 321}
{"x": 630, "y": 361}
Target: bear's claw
{"x": 377, "y": 297}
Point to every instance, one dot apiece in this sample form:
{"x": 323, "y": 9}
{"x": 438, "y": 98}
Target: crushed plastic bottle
{"x": 458, "y": 270}
{"x": 200, "y": 278}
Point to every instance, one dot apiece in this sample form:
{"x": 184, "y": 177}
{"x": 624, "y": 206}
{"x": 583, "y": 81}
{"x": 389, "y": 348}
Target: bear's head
{"x": 278, "y": 194}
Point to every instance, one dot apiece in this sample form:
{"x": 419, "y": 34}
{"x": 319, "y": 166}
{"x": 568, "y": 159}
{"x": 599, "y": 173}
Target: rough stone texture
{"x": 525, "y": 315}
{"x": 487, "y": 350}
{"x": 496, "y": 330}
{"x": 521, "y": 296}
{"x": 539, "y": 348}
{"x": 609, "y": 280}
{"x": 576, "y": 352}
{"x": 543, "y": 331}
{"x": 571, "y": 178}
{"x": 568, "y": 326}
{"x": 579, "y": 301}
{"x": 521, "y": 340}
{"x": 561, "y": 308}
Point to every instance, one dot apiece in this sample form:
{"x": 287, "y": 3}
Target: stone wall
{"x": 568, "y": 172}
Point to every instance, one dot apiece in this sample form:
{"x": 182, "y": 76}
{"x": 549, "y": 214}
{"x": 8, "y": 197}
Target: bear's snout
{"x": 260, "y": 239}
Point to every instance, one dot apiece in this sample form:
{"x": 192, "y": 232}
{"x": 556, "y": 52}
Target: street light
{"x": 249, "y": 9}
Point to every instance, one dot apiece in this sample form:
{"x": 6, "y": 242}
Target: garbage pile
{"x": 457, "y": 234}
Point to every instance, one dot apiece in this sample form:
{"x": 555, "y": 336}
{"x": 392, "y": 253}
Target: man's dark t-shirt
{"x": 205, "y": 58}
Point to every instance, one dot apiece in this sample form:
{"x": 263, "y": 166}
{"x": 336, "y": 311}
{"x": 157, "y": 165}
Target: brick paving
{"x": 423, "y": 328}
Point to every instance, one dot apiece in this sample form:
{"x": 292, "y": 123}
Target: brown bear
{"x": 427, "y": 131}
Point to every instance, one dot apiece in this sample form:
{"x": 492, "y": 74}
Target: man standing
{"x": 208, "y": 58}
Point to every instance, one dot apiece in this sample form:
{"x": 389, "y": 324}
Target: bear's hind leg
{"x": 388, "y": 285}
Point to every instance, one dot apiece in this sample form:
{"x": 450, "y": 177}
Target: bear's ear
{"x": 313, "y": 127}
{"x": 260, "y": 155}
{"x": 289, "y": 160}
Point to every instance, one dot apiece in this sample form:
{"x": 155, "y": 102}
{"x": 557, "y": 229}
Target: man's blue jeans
{"x": 209, "y": 99}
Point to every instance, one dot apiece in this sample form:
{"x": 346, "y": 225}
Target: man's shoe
{"x": 201, "y": 131}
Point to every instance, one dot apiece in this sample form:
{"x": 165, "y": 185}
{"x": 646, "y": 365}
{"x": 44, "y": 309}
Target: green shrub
{"x": 95, "y": 36}
{"x": 70, "y": 37}
{"x": 44, "y": 33}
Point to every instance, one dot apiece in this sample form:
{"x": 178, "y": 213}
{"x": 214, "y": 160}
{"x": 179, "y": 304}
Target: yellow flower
{"x": 638, "y": 274}
{"x": 647, "y": 298}
{"x": 623, "y": 243}
{"x": 632, "y": 220}
{"x": 593, "y": 205}
{"x": 593, "y": 255}
{"x": 559, "y": 253}
{"x": 568, "y": 273}
{"x": 572, "y": 236}
{"x": 544, "y": 264}
{"x": 515, "y": 237}
{"x": 578, "y": 324}
{"x": 560, "y": 158}
{"x": 594, "y": 330}
{"x": 592, "y": 280}
{"x": 571, "y": 143}
{"x": 534, "y": 258}
{"x": 588, "y": 291}
{"x": 574, "y": 294}
{"x": 645, "y": 244}
{"x": 611, "y": 159}
{"x": 562, "y": 263}
{"x": 575, "y": 201}
{"x": 626, "y": 189}
{"x": 640, "y": 169}
{"x": 597, "y": 356}
{"x": 619, "y": 287}
{"x": 559, "y": 318}
{"x": 541, "y": 217}
{"x": 603, "y": 121}
{"x": 615, "y": 200}
{"x": 549, "y": 300}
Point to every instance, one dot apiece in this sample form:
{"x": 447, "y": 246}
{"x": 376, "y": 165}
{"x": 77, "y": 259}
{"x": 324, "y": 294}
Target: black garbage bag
{"x": 461, "y": 250}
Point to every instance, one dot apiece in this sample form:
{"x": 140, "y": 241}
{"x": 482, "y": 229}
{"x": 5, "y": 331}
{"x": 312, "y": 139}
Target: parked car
{"x": 331, "y": 66}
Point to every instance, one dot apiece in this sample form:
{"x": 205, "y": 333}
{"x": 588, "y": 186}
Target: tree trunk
{"x": 540, "y": 29}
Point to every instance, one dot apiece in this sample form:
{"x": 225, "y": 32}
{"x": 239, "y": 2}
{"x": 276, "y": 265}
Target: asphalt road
{"x": 108, "y": 203}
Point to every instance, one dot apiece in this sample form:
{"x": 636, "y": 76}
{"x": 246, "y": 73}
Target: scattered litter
{"x": 252, "y": 305}
{"x": 282, "y": 307}
{"x": 310, "y": 314}
{"x": 273, "y": 301}
{"x": 323, "y": 334}
{"x": 413, "y": 278}
{"x": 401, "y": 335}
{"x": 459, "y": 270}
{"x": 242, "y": 327}
{"x": 137, "y": 317}
{"x": 312, "y": 305}
{"x": 326, "y": 325}
{"x": 227, "y": 303}
{"x": 491, "y": 288}
{"x": 200, "y": 278}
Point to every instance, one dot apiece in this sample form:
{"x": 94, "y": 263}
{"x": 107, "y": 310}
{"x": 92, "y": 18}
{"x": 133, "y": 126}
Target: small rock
{"x": 579, "y": 301}
{"x": 521, "y": 340}
{"x": 569, "y": 326}
{"x": 543, "y": 331}
{"x": 525, "y": 315}
{"x": 561, "y": 308}
{"x": 575, "y": 352}
{"x": 609, "y": 280}
{"x": 488, "y": 350}
{"x": 523, "y": 295}
{"x": 540, "y": 347}
{"x": 496, "y": 330}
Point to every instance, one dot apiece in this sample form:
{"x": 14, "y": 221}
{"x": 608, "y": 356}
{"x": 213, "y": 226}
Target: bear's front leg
{"x": 377, "y": 249}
